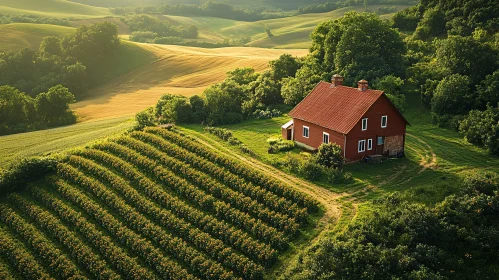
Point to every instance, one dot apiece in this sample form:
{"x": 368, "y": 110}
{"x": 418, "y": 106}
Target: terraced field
{"x": 150, "y": 205}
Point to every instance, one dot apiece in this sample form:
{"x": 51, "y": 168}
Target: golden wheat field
{"x": 178, "y": 70}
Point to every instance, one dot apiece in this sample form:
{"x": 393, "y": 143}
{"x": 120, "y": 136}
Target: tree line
{"x": 146, "y": 28}
{"x": 41, "y": 84}
{"x": 27, "y": 18}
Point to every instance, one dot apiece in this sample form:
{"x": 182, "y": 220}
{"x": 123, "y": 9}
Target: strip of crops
{"x": 51, "y": 256}
{"x": 204, "y": 201}
{"x": 274, "y": 202}
{"x": 114, "y": 254}
{"x": 201, "y": 240}
{"x": 199, "y": 264}
{"x": 53, "y": 226}
{"x": 219, "y": 229}
{"x": 167, "y": 268}
{"x": 205, "y": 182}
{"x": 5, "y": 272}
{"x": 248, "y": 173}
{"x": 20, "y": 258}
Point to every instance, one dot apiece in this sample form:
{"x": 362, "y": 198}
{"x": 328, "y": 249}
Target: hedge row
{"x": 248, "y": 173}
{"x": 51, "y": 256}
{"x": 22, "y": 260}
{"x": 261, "y": 195}
{"x": 27, "y": 170}
{"x": 165, "y": 267}
{"x": 244, "y": 203}
{"x": 219, "y": 229}
{"x": 198, "y": 197}
{"x": 176, "y": 226}
{"x": 116, "y": 256}
{"x": 53, "y": 226}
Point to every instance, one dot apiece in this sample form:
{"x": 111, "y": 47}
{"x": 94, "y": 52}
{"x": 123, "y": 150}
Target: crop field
{"x": 52, "y": 8}
{"x": 151, "y": 205}
{"x": 289, "y": 33}
{"x": 177, "y": 70}
{"x": 16, "y": 36}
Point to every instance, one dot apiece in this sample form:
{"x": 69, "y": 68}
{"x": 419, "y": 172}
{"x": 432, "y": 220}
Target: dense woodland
{"x": 41, "y": 84}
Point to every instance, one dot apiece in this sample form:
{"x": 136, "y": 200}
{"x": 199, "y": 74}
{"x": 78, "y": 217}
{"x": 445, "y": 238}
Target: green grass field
{"x": 17, "y": 146}
{"x": 16, "y": 36}
{"x": 290, "y": 32}
{"x": 52, "y": 8}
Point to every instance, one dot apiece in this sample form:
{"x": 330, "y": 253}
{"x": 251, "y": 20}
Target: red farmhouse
{"x": 362, "y": 121}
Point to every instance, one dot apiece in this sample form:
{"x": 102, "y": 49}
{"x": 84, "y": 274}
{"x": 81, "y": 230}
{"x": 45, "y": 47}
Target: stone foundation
{"x": 394, "y": 145}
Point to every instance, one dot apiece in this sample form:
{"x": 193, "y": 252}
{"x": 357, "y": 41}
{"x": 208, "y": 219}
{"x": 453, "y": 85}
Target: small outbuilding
{"x": 364, "y": 122}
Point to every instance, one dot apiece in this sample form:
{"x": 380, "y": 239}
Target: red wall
{"x": 395, "y": 126}
{"x": 315, "y": 134}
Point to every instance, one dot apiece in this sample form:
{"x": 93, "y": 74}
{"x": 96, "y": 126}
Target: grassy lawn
{"x": 14, "y": 147}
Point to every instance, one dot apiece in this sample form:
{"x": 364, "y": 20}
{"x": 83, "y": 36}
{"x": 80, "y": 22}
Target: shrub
{"x": 145, "y": 118}
{"x": 483, "y": 182}
{"x": 336, "y": 176}
{"x": 221, "y": 133}
{"x": 280, "y": 145}
{"x": 24, "y": 172}
{"x": 330, "y": 156}
{"x": 311, "y": 170}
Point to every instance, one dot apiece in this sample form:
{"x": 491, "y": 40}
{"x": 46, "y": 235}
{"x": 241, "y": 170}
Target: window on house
{"x": 306, "y": 131}
{"x": 362, "y": 146}
{"x": 384, "y": 121}
{"x": 369, "y": 144}
{"x": 381, "y": 140}
{"x": 325, "y": 138}
{"x": 364, "y": 124}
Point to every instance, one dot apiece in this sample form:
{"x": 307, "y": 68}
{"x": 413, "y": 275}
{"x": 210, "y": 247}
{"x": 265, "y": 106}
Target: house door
{"x": 380, "y": 145}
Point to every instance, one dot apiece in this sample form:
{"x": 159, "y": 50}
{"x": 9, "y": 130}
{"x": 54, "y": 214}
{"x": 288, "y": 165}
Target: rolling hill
{"x": 16, "y": 36}
{"x": 290, "y": 32}
{"x": 150, "y": 205}
{"x": 178, "y": 70}
{"x": 52, "y": 8}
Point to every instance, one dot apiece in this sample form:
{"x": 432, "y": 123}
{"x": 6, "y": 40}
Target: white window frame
{"x": 386, "y": 121}
{"x": 361, "y": 147}
{"x": 377, "y": 141}
{"x": 369, "y": 144}
{"x": 308, "y": 131}
{"x": 364, "y": 121}
{"x": 324, "y": 134}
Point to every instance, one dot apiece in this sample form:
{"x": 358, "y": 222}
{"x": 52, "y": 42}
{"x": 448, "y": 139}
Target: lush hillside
{"x": 289, "y": 32}
{"x": 178, "y": 70}
{"x": 16, "y": 36}
{"x": 14, "y": 148}
{"x": 52, "y": 8}
{"x": 150, "y": 205}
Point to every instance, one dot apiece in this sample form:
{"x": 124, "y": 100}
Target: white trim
{"x": 369, "y": 144}
{"x": 308, "y": 131}
{"x": 377, "y": 141}
{"x": 364, "y": 128}
{"x": 288, "y": 124}
{"x": 328, "y": 139}
{"x": 386, "y": 121}
{"x": 361, "y": 149}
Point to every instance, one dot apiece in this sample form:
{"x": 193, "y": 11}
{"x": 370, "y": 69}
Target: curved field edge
{"x": 16, "y": 36}
{"x": 96, "y": 182}
{"x": 52, "y": 8}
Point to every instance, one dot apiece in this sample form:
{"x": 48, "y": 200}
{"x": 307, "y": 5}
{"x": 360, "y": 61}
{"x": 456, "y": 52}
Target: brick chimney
{"x": 363, "y": 85}
{"x": 337, "y": 80}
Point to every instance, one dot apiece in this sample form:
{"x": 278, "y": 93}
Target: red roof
{"x": 337, "y": 108}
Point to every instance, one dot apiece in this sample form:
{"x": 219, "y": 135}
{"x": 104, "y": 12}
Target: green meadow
{"x": 52, "y": 8}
